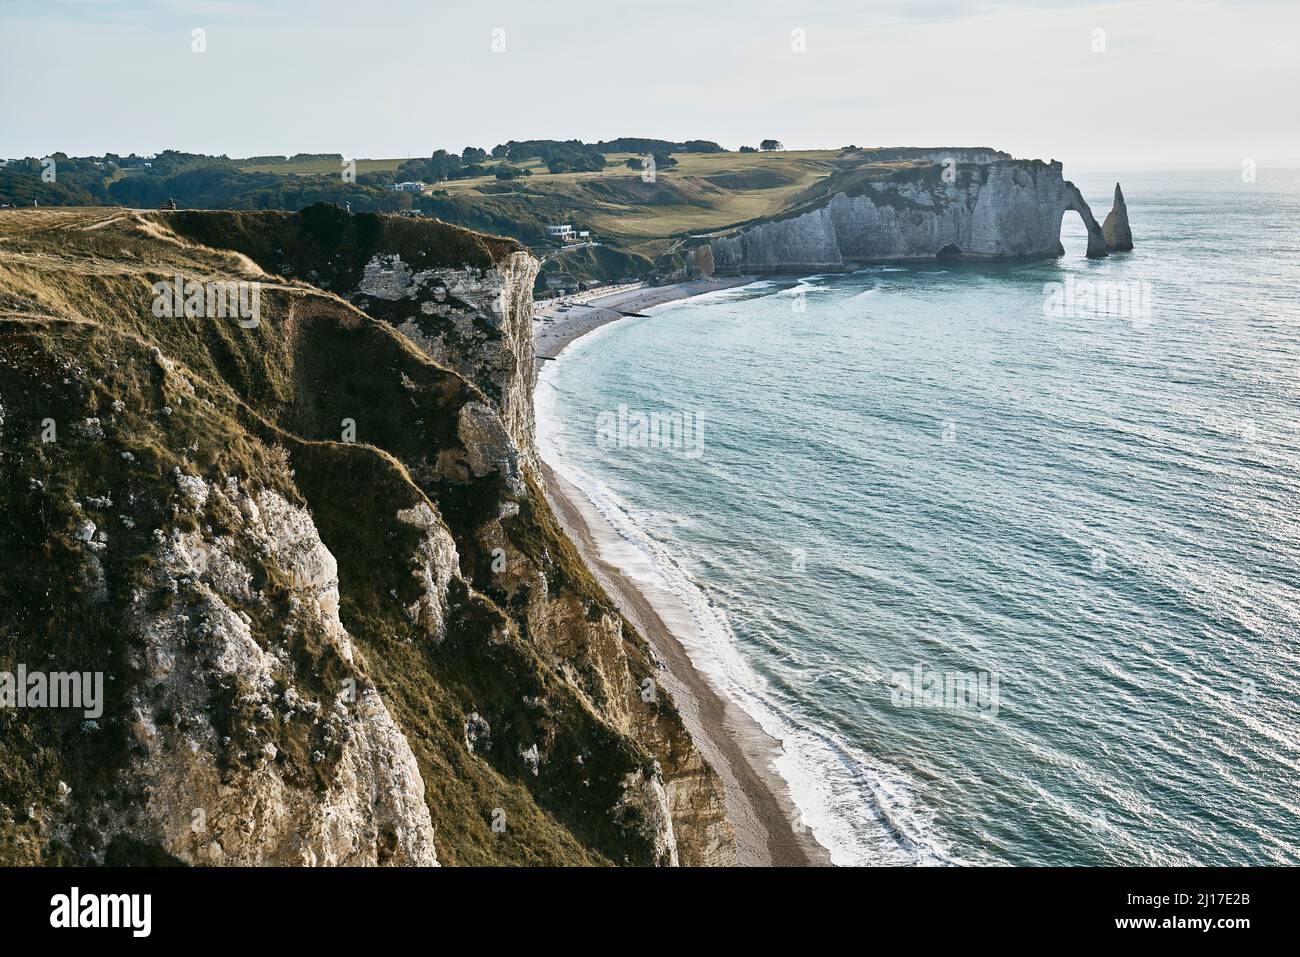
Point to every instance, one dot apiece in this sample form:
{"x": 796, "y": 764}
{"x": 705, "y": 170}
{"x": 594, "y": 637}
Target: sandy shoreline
{"x": 758, "y": 801}
{"x": 581, "y": 318}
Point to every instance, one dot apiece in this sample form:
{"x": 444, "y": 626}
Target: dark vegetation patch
{"x": 592, "y": 264}
{"x": 757, "y": 178}
{"x": 329, "y": 247}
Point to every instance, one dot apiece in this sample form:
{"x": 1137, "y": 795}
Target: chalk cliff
{"x": 336, "y": 619}
{"x": 476, "y": 321}
{"x": 959, "y": 204}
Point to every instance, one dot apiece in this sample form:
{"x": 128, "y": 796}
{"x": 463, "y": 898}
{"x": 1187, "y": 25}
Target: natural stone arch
{"x": 1096, "y": 239}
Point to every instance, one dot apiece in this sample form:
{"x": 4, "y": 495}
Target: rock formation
{"x": 1115, "y": 229}
{"x": 997, "y": 208}
{"x": 336, "y": 619}
{"x": 476, "y": 321}
{"x": 368, "y": 809}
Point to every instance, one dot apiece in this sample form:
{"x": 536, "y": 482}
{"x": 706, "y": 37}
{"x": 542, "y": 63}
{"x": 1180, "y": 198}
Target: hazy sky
{"x": 1178, "y": 82}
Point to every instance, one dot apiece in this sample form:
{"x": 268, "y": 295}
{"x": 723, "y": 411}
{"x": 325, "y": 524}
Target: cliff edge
{"x": 959, "y": 204}
{"x": 305, "y": 552}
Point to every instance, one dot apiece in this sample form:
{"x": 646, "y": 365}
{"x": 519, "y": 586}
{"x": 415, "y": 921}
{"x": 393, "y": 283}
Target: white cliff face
{"x": 438, "y": 564}
{"x": 489, "y": 446}
{"x": 644, "y": 794}
{"x": 1003, "y": 209}
{"x": 244, "y": 724}
{"x": 475, "y": 321}
{"x": 316, "y": 775}
{"x": 479, "y": 323}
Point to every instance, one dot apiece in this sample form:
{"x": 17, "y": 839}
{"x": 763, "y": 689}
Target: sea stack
{"x": 1118, "y": 236}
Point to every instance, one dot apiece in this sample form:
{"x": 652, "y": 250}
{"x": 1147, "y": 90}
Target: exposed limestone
{"x": 261, "y": 711}
{"x": 1005, "y": 209}
{"x": 438, "y": 564}
{"x": 475, "y": 321}
{"x": 488, "y": 445}
{"x": 568, "y": 630}
{"x": 209, "y": 798}
{"x": 645, "y": 797}
{"x": 478, "y": 733}
{"x": 387, "y": 277}
{"x": 697, "y": 262}
{"x": 478, "y": 322}
{"x": 1115, "y": 229}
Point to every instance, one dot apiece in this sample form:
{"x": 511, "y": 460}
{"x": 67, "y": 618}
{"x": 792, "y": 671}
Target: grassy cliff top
{"x": 135, "y": 398}
{"x": 335, "y": 245}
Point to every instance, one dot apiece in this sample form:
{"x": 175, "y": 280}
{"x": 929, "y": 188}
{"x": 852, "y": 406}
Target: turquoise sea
{"x": 1078, "y": 515}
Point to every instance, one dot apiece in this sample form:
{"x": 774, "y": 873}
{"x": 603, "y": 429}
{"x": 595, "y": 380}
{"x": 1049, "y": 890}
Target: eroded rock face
{"x": 236, "y": 758}
{"x": 478, "y": 322}
{"x": 438, "y": 565}
{"x": 997, "y": 210}
{"x": 1116, "y": 229}
{"x": 647, "y": 801}
{"x": 598, "y": 661}
{"x": 243, "y": 726}
{"x": 475, "y": 321}
{"x": 489, "y": 446}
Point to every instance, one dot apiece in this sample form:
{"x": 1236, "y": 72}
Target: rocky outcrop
{"x": 1003, "y": 209}
{"x": 1118, "y": 236}
{"x": 465, "y": 299}
{"x": 645, "y": 805}
{"x": 436, "y": 567}
{"x": 238, "y": 760}
{"x": 476, "y": 321}
{"x": 336, "y": 619}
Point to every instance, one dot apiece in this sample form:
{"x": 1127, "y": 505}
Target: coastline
{"x": 551, "y": 337}
{"x": 759, "y": 805}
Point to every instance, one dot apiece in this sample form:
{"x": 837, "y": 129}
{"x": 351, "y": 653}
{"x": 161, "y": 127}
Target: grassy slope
{"x": 703, "y": 193}
{"x": 317, "y": 167}
{"x": 285, "y": 385}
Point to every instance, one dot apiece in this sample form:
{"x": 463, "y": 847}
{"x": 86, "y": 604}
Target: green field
{"x": 317, "y": 167}
{"x": 713, "y": 190}
{"x": 704, "y": 193}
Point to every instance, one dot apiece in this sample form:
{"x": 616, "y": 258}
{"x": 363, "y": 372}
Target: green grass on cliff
{"x": 328, "y": 247}
{"x": 704, "y": 193}
{"x": 76, "y": 341}
{"x": 316, "y": 167}
{"x": 117, "y": 428}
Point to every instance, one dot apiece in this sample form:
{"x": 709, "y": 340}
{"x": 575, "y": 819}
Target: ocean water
{"x": 917, "y": 472}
